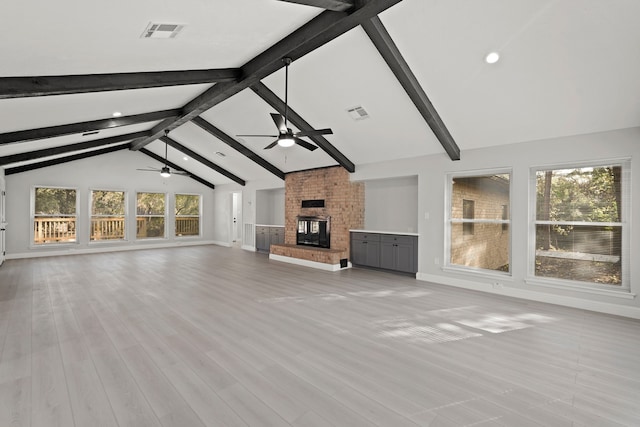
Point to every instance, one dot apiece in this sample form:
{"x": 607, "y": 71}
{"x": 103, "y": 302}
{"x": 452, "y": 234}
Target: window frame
{"x": 625, "y": 181}
{"x": 32, "y": 213}
{"x": 448, "y": 221}
{"x": 126, "y": 216}
{"x": 176, "y": 216}
{"x": 164, "y": 216}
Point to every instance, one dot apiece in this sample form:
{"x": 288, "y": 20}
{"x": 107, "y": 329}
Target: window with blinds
{"x": 580, "y": 224}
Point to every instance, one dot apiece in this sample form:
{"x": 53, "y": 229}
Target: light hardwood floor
{"x": 212, "y": 336}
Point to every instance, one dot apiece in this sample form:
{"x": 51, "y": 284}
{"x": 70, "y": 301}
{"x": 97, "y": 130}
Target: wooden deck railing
{"x": 59, "y": 230}
{"x": 54, "y": 229}
{"x": 187, "y": 226}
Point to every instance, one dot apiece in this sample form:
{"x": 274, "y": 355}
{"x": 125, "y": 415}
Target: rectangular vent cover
{"x": 157, "y": 30}
{"x": 358, "y": 113}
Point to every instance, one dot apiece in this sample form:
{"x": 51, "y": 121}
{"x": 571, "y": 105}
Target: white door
{"x": 3, "y": 221}
{"x": 236, "y": 217}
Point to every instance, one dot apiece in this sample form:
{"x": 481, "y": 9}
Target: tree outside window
{"x": 477, "y": 217}
{"x": 54, "y": 215}
{"x": 579, "y": 224}
{"x": 187, "y": 215}
{"x": 150, "y": 215}
{"x": 108, "y": 220}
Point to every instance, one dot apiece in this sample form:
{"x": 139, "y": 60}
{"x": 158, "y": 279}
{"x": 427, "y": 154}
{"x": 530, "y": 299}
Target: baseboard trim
{"x": 307, "y": 263}
{"x": 45, "y": 252}
{"x": 532, "y": 295}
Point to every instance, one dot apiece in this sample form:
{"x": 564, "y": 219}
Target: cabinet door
{"x": 262, "y": 238}
{"x": 404, "y": 258}
{"x": 373, "y": 254}
{"x": 276, "y": 235}
{"x": 359, "y": 252}
{"x": 388, "y": 255}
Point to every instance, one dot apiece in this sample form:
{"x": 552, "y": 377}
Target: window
{"x": 579, "y": 224}
{"x": 150, "y": 215}
{"x": 107, "y": 215}
{"x": 476, "y": 221}
{"x": 54, "y": 215}
{"x": 187, "y": 215}
{"x": 468, "y": 212}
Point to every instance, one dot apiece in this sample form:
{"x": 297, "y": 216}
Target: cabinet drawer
{"x": 401, "y": 240}
{"x": 262, "y": 230}
{"x": 371, "y": 237}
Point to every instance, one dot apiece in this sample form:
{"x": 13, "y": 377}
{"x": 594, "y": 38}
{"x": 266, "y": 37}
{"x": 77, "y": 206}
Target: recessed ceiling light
{"x": 492, "y": 58}
{"x": 185, "y": 158}
{"x": 116, "y": 114}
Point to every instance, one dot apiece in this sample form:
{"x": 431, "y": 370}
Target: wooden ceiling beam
{"x": 79, "y": 128}
{"x": 22, "y": 87}
{"x": 66, "y": 159}
{"x": 176, "y": 167}
{"x": 391, "y": 54}
{"x": 335, "y": 5}
{"x": 320, "y": 30}
{"x": 48, "y": 152}
{"x": 211, "y": 129}
{"x": 175, "y": 144}
{"x": 272, "y": 99}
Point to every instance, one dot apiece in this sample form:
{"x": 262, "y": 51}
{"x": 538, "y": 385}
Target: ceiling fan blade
{"x": 184, "y": 173}
{"x": 270, "y": 136}
{"x": 270, "y": 146}
{"x": 278, "y": 119}
{"x": 314, "y": 132}
{"x": 149, "y": 170}
{"x": 304, "y": 144}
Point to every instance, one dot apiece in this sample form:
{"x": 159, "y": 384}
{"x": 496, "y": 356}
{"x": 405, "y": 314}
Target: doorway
{"x": 236, "y": 218}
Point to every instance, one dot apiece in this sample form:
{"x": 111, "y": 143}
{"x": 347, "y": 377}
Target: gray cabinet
{"x": 365, "y": 249}
{"x": 263, "y": 240}
{"x": 276, "y": 235}
{"x": 267, "y": 236}
{"x": 388, "y": 251}
{"x": 399, "y": 253}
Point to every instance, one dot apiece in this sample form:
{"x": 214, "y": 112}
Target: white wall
{"x": 114, "y": 171}
{"x": 270, "y": 207}
{"x": 400, "y": 193}
{"x": 431, "y": 171}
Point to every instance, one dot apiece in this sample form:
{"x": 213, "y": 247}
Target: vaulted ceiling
{"x": 416, "y": 66}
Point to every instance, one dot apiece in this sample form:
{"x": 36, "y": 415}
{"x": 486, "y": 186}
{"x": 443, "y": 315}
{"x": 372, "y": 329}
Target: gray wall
{"x": 270, "y": 206}
{"x": 391, "y": 204}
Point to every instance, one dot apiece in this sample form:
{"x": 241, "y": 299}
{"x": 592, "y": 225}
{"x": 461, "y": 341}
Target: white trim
{"x": 248, "y": 248}
{"x": 106, "y": 248}
{"x": 307, "y": 263}
{"x": 617, "y": 293}
{"x": 533, "y": 295}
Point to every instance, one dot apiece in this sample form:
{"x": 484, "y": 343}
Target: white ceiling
{"x": 567, "y": 67}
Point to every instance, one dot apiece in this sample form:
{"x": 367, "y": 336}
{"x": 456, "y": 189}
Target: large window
{"x": 54, "y": 215}
{"x": 478, "y": 221}
{"x": 150, "y": 215}
{"x": 579, "y": 224}
{"x": 187, "y": 215}
{"x": 107, "y": 215}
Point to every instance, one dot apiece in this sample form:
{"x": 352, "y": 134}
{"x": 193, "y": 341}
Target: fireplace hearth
{"x": 313, "y": 231}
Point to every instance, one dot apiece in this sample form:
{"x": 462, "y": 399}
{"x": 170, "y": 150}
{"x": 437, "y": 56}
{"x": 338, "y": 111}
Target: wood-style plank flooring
{"x": 212, "y": 336}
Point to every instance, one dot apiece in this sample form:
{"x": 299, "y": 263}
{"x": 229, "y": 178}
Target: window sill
{"x": 617, "y": 293}
{"x": 503, "y": 276}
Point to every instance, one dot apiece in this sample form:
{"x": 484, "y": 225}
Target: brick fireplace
{"x": 343, "y": 203}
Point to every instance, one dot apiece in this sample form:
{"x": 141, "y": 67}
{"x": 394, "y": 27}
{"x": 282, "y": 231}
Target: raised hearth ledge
{"x": 321, "y": 258}
{"x": 307, "y": 263}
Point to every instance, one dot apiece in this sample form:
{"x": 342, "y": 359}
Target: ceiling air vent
{"x": 358, "y": 113}
{"x": 157, "y": 30}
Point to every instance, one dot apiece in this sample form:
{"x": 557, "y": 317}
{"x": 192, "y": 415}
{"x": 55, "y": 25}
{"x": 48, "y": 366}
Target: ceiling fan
{"x": 286, "y": 137}
{"x": 165, "y": 171}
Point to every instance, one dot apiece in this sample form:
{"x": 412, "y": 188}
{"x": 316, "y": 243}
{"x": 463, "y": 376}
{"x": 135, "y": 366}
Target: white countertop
{"x": 400, "y": 233}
